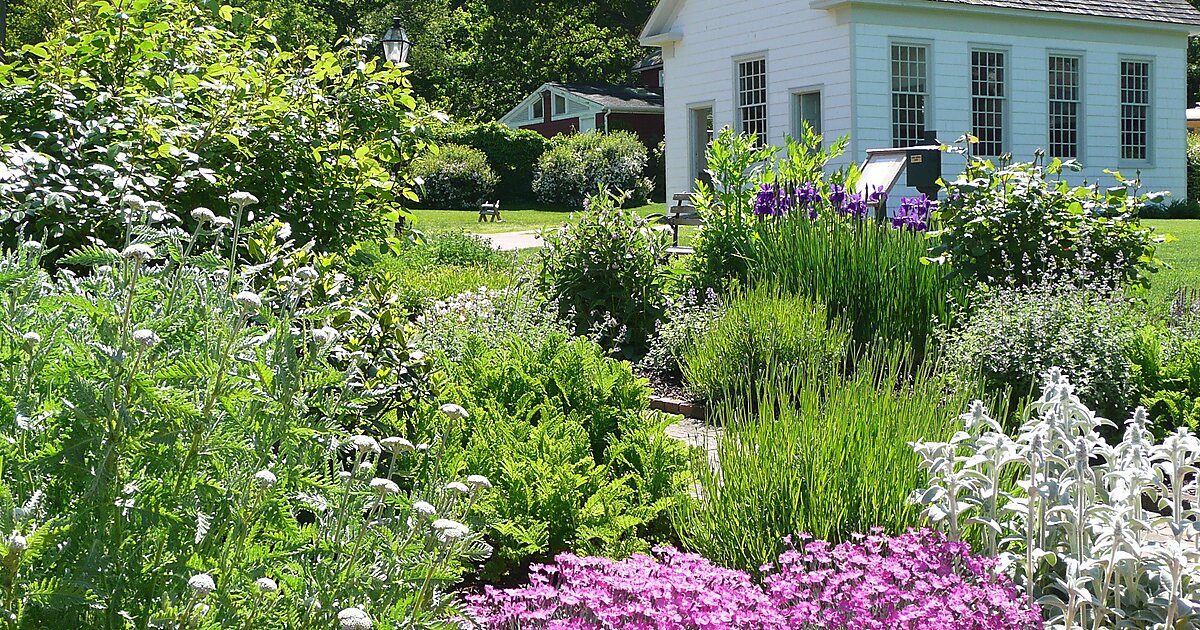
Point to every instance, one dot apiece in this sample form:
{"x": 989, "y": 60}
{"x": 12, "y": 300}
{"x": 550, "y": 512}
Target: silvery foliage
{"x": 1074, "y": 528}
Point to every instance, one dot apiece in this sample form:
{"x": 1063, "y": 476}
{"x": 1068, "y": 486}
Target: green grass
{"x": 515, "y": 220}
{"x": 1183, "y": 255}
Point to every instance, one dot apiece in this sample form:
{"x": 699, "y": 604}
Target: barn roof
{"x": 614, "y": 96}
{"x": 1168, "y": 11}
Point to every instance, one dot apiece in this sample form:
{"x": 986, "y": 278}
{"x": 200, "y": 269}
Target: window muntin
{"x": 1135, "y": 110}
{"x": 752, "y": 98}
{"x": 987, "y": 101}
{"x": 1063, "y": 84}
{"x": 910, "y": 93}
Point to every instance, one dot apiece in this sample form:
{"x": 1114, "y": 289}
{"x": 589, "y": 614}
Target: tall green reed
{"x": 869, "y": 275}
{"x": 827, "y": 456}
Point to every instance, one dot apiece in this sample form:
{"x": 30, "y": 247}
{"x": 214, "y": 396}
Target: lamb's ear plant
{"x": 1074, "y": 530}
{"x": 187, "y": 440}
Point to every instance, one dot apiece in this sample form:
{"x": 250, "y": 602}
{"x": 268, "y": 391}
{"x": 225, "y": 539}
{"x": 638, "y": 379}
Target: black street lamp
{"x": 396, "y": 43}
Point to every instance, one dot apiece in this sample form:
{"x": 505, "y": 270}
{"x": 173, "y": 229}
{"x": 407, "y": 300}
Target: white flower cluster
{"x": 1075, "y": 530}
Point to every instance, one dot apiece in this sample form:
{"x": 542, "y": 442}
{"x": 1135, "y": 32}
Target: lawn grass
{"x": 515, "y": 220}
{"x": 1183, "y": 256}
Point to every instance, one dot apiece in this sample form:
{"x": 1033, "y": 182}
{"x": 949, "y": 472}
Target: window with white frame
{"x": 806, "y": 109}
{"x": 752, "y": 98}
{"x": 910, "y": 93}
{"x": 538, "y": 111}
{"x": 1135, "y": 110}
{"x": 560, "y": 104}
{"x": 1063, "y": 105}
{"x": 987, "y": 101}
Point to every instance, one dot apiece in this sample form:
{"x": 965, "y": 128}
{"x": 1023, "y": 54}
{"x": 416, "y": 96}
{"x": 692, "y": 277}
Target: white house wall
{"x": 1028, "y": 41}
{"x": 804, "y": 48}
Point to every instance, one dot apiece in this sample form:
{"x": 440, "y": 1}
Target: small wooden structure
{"x": 682, "y": 213}
{"x": 490, "y": 211}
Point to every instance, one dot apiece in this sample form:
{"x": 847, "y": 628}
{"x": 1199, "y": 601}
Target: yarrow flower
{"x": 220, "y": 223}
{"x": 307, "y": 274}
{"x": 449, "y": 531}
{"x": 354, "y": 618}
{"x": 146, "y": 338}
{"x": 32, "y": 246}
{"x": 384, "y": 487}
{"x": 202, "y": 584}
{"x": 266, "y": 479}
{"x": 396, "y": 445}
{"x": 479, "y": 482}
{"x": 266, "y": 585}
{"x": 325, "y": 335}
{"x": 31, "y": 339}
{"x": 139, "y": 253}
{"x": 454, "y": 412}
{"x": 17, "y": 544}
{"x": 424, "y": 508}
{"x": 363, "y": 444}
{"x": 458, "y": 486}
{"x": 242, "y": 199}
{"x": 203, "y": 215}
{"x": 248, "y": 300}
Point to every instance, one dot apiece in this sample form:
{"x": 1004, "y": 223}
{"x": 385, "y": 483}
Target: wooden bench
{"x": 490, "y": 211}
{"x": 682, "y": 213}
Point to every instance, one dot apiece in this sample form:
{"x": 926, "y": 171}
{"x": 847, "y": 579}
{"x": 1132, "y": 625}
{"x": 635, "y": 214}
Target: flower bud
{"x": 139, "y": 252}
{"x": 354, "y": 618}
{"x": 202, "y": 584}
{"x": 17, "y": 544}
{"x": 266, "y": 585}
{"x": 249, "y": 301}
{"x": 266, "y": 479}
{"x": 146, "y": 338}
{"x": 203, "y": 215}
{"x": 325, "y": 335}
{"x": 32, "y": 339}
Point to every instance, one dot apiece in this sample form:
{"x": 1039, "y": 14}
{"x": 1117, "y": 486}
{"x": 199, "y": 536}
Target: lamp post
{"x": 396, "y": 43}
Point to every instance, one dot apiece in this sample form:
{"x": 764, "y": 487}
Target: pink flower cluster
{"x": 917, "y": 581}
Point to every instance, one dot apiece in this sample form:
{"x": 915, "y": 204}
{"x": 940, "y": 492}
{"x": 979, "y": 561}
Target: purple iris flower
{"x": 913, "y": 214}
{"x": 878, "y": 196}
{"x": 856, "y": 206}
{"x": 808, "y": 196}
{"x": 764, "y": 201}
{"x": 837, "y": 196}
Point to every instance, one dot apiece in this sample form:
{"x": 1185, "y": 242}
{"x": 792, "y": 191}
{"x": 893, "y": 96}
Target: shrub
{"x": 186, "y": 104}
{"x": 1089, "y": 545}
{"x": 575, "y": 165}
{"x": 1014, "y": 335}
{"x": 685, "y": 321}
{"x": 917, "y": 580}
{"x": 1193, "y": 167}
{"x": 825, "y": 455}
{"x": 180, "y": 449}
{"x": 512, "y": 153}
{"x": 442, "y": 266}
{"x": 488, "y": 316}
{"x": 1166, "y": 377}
{"x": 578, "y": 461}
{"x": 1011, "y": 225}
{"x": 758, "y": 335}
{"x": 603, "y": 271}
{"x": 455, "y": 178}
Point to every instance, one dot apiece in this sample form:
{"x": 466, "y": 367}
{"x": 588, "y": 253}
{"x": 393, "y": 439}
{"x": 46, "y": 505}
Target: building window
{"x": 987, "y": 101}
{"x": 1064, "y": 106}
{"x": 539, "y": 111}
{"x": 806, "y": 109}
{"x": 1135, "y": 110}
{"x": 910, "y": 93}
{"x": 560, "y": 104}
{"x": 752, "y": 98}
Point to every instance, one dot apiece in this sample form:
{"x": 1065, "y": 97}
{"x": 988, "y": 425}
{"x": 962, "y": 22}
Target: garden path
{"x": 513, "y": 241}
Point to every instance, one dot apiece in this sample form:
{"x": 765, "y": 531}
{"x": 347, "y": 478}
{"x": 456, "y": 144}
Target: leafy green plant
{"x": 575, "y": 165}
{"x": 455, "y": 178}
{"x": 488, "y": 316}
{"x": 1021, "y": 224}
{"x": 686, "y": 320}
{"x": 1166, "y": 375}
{"x": 178, "y": 447}
{"x": 604, "y": 273}
{"x": 1099, "y": 534}
{"x": 826, "y": 454}
{"x": 758, "y": 335}
{"x": 1013, "y": 336}
{"x": 578, "y": 461}
{"x": 512, "y": 153}
{"x": 185, "y": 103}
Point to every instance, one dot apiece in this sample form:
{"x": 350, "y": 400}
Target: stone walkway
{"x": 696, "y": 433}
{"x": 513, "y": 241}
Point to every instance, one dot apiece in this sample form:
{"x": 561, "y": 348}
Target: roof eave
{"x": 1190, "y": 28}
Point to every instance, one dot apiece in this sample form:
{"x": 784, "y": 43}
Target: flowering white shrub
{"x": 1074, "y": 528}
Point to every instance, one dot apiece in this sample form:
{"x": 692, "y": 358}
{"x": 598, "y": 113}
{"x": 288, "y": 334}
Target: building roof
{"x": 1168, "y": 11}
{"x": 614, "y": 96}
{"x": 651, "y": 61}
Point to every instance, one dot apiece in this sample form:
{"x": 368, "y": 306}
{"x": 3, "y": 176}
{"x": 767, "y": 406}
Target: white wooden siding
{"x": 848, "y": 47}
{"x": 804, "y": 47}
